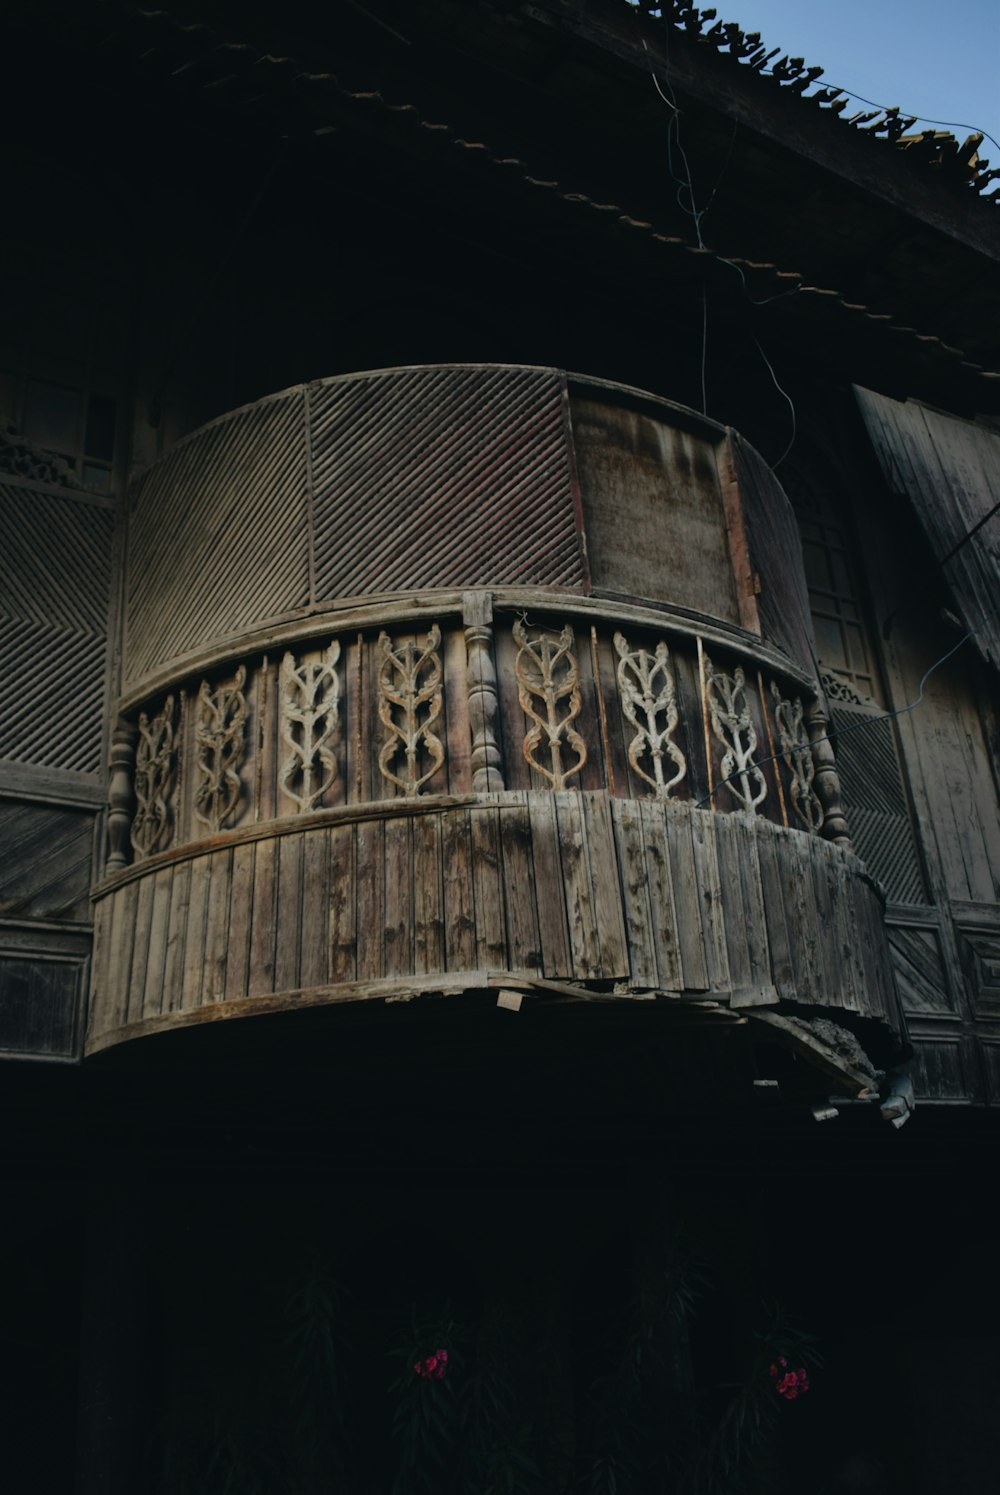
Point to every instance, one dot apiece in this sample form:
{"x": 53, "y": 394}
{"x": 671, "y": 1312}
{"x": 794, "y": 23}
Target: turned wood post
{"x": 120, "y": 797}
{"x": 827, "y": 781}
{"x": 487, "y": 761}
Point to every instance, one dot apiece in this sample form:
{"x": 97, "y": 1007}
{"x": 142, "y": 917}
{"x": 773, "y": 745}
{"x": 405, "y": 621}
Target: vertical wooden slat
{"x": 460, "y": 941}
{"x": 579, "y": 892}
{"x": 134, "y": 1011}
{"x": 612, "y": 941}
{"x": 428, "y": 895}
{"x": 713, "y": 911}
{"x": 491, "y": 943}
{"x": 524, "y": 951}
{"x": 779, "y": 935}
{"x": 457, "y": 735}
{"x": 120, "y": 945}
{"x": 680, "y": 875}
{"x": 314, "y": 970}
{"x": 173, "y": 965}
{"x": 217, "y": 932}
{"x": 260, "y": 976}
{"x": 627, "y": 816}
{"x": 194, "y": 939}
{"x": 342, "y": 932}
{"x": 398, "y": 897}
{"x": 552, "y": 931}
{"x": 288, "y": 919}
{"x": 371, "y": 900}
{"x": 240, "y": 921}
{"x": 661, "y": 873}
{"x": 156, "y": 956}
{"x": 98, "y": 1018}
{"x": 747, "y": 827}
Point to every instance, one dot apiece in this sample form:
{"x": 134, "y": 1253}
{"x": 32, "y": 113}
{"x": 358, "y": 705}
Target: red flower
{"x": 434, "y": 1367}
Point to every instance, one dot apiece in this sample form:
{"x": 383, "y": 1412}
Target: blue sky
{"x": 941, "y": 61}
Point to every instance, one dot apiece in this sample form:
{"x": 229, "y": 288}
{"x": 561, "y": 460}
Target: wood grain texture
{"x": 575, "y": 886}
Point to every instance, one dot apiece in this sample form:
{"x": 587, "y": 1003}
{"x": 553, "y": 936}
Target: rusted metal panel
{"x": 442, "y": 477}
{"x": 950, "y": 471}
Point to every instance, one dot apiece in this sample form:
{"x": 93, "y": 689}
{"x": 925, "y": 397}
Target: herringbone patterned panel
{"x": 876, "y": 803}
{"x": 444, "y": 477}
{"x": 218, "y": 534}
{"x": 55, "y": 566}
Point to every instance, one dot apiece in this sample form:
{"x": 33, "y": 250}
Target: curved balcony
{"x": 512, "y": 780}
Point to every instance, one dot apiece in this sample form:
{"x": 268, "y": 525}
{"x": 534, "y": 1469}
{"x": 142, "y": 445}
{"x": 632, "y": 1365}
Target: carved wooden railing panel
{"x": 452, "y": 706}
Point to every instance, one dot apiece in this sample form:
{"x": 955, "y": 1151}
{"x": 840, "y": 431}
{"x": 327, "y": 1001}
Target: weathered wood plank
{"x": 428, "y": 895}
{"x": 194, "y": 937}
{"x": 524, "y": 951}
{"x": 398, "y": 898}
{"x": 156, "y": 955}
{"x": 577, "y": 885}
{"x": 748, "y": 828}
{"x": 217, "y": 930}
{"x": 455, "y": 775}
{"x": 631, "y": 855}
{"x": 709, "y": 881}
{"x": 491, "y": 942}
{"x": 342, "y": 930}
{"x": 459, "y": 922}
{"x": 314, "y": 962}
{"x": 371, "y": 900}
{"x": 120, "y": 939}
{"x": 680, "y": 875}
{"x": 288, "y": 916}
{"x": 99, "y": 1018}
{"x": 612, "y": 941}
{"x": 240, "y": 922}
{"x": 779, "y": 934}
{"x": 135, "y": 1000}
{"x": 552, "y": 929}
{"x": 173, "y": 965}
{"x": 263, "y": 932}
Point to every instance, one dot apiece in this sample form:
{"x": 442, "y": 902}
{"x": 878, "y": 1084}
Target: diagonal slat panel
{"x": 442, "y": 477}
{"x": 218, "y": 535}
{"x": 45, "y": 869}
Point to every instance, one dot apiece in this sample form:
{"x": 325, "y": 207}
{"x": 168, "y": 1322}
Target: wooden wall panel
{"x": 442, "y": 477}
{"x": 45, "y": 869}
{"x": 54, "y": 623}
{"x": 40, "y": 1005}
{"x": 218, "y": 538}
{"x": 568, "y": 886}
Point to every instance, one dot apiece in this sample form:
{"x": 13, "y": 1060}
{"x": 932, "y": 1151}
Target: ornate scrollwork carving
{"x": 154, "y": 781}
{"x": 836, "y": 689}
{"x": 310, "y": 703}
{"x": 646, "y": 684}
{"x": 547, "y": 671}
{"x": 22, "y": 459}
{"x": 726, "y": 699}
{"x": 220, "y": 745}
{"x": 410, "y": 698}
{"x": 795, "y": 749}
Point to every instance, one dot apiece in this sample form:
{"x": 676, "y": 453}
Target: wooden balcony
{"x": 529, "y": 786}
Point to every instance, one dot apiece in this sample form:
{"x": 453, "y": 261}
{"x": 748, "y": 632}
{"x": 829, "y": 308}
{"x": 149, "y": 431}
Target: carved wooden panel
{"x": 410, "y": 700}
{"x": 797, "y": 757}
{"x": 919, "y": 968}
{"x": 220, "y": 747}
{"x": 155, "y": 772}
{"x": 548, "y": 681}
{"x": 649, "y": 701}
{"x": 442, "y": 477}
{"x": 310, "y": 726}
{"x": 55, "y": 567}
{"x": 728, "y": 710}
{"x": 218, "y": 535}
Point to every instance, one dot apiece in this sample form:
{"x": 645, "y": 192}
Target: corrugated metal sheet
{"x": 950, "y": 470}
{"x": 442, "y": 477}
{"x": 218, "y": 534}
{"x": 53, "y": 628}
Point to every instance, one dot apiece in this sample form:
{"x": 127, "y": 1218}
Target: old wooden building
{"x": 499, "y": 762}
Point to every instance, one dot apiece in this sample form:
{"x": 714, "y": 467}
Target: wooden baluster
{"x": 120, "y": 797}
{"x": 487, "y": 761}
{"x": 827, "y": 780}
